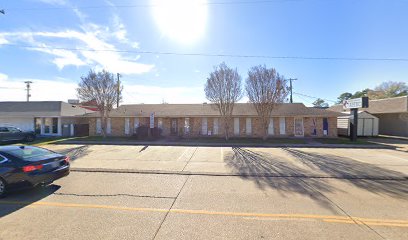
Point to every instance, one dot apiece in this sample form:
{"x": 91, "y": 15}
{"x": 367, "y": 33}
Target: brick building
{"x": 194, "y": 120}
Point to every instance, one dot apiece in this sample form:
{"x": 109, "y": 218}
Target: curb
{"x": 187, "y": 173}
{"x": 178, "y": 144}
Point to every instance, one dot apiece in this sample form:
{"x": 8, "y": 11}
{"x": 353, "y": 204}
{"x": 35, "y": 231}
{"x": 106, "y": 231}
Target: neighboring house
{"x": 391, "y": 112}
{"x": 288, "y": 119}
{"x": 53, "y": 118}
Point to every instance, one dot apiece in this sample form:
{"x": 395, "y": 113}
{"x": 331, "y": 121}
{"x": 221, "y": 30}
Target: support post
{"x": 353, "y": 136}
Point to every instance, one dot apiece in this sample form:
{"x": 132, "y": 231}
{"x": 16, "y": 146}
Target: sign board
{"x": 152, "y": 120}
{"x": 355, "y": 103}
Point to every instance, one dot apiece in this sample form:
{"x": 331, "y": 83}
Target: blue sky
{"x": 305, "y": 28}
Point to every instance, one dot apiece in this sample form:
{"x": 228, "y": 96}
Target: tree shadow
{"x": 21, "y": 198}
{"x": 76, "y": 152}
{"x": 363, "y": 175}
{"x": 268, "y": 171}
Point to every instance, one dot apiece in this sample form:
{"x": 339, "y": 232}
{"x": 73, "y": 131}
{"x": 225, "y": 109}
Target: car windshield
{"x": 31, "y": 153}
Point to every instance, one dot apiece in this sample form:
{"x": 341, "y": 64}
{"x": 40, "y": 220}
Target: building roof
{"x": 40, "y": 109}
{"x": 240, "y": 109}
{"x": 387, "y": 105}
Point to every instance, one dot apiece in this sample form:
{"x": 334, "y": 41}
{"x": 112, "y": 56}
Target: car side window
{"x": 12, "y": 129}
{"x": 3, "y": 129}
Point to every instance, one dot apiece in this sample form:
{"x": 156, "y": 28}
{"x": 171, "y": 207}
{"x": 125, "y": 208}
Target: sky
{"x": 54, "y": 42}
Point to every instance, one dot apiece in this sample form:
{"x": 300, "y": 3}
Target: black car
{"x": 8, "y": 134}
{"x": 28, "y": 166}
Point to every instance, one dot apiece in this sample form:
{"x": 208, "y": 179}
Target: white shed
{"x": 367, "y": 124}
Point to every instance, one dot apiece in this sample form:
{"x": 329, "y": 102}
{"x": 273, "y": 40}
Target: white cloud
{"x": 91, "y": 36}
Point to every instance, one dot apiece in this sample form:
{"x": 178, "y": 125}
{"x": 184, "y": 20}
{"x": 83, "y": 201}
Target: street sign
{"x": 152, "y": 120}
{"x": 355, "y": 103}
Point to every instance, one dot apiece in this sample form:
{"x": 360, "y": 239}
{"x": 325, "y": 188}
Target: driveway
{"x": 311, "y": 162}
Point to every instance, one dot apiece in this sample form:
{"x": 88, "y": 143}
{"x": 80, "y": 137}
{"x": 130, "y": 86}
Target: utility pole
{"x": 290, "y": 81}
{"x": 118, "y": 91}
{"x": 28, "y": 89}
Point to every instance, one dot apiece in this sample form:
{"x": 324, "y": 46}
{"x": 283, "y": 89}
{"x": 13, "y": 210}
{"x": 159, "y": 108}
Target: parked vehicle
{"x": 28, "y": 166}
{"x": 15, "y": 134}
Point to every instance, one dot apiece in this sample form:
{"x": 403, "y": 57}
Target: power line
{"x": 301, "y": 94}
{"x": 214, "y": 55}
{"x": 255, "y": 2}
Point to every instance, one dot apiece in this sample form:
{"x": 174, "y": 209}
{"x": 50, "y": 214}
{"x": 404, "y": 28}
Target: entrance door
{"x": 174, "y": 126}
{"x": 299, "y": 127}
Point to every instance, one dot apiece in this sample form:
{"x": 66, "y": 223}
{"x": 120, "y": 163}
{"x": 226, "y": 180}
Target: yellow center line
{"x": 254, "y": 216}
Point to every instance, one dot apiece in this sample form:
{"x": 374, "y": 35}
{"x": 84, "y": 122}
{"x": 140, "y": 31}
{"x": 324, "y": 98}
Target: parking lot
{"x": 163, "y": 192}
{"x": 334, "y": 162}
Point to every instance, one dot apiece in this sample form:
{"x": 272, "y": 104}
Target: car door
{"x": 15, "y": 133}
{"x": 4, "y": 134}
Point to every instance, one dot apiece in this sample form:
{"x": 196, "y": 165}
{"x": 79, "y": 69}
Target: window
{"x": 325, "y": 127}
{"x": 248, "y": 126}
{"x": 98, "y": 126}
{"x": 215, "y": 127}
{"x": 314, "y": 127}
{"x": 37, "y": 125}
{"x": 204, "y": 126}
{"x": 282, "y": 126}
{"x": 186, "y": 125}
{"x": 271, "y": 130}
{"x": 50, "y": 125}
{"x": 127, "y": 126}
{"x": 136, "y": 125}
{"x": 160, "y": 123}
{"x": 299, "y": 127}
{"x": 13, "y": 129}
{"x": 4, "y": 129}
{"x": 109, "y": 127}
{"x": 236, "y": 126}
{"x": 31, "y": 153}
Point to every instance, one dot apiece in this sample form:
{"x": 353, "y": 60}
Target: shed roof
{"x": 240, "y": 109}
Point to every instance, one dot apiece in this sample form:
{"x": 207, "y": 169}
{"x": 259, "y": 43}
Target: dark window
{"x": 55, "y": 125}
{"x": 30, "y": 153}
{"x": 37, "y": 123}
{"x": 13, "y": 129}
{"x": 2, "y": 159}
{"x": 3, "y": 129}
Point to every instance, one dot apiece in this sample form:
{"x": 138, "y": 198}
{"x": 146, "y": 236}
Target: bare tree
{"x": 223, "y": 88}
{"x": 102, "y": 88}
{"x": 265, "y": 89}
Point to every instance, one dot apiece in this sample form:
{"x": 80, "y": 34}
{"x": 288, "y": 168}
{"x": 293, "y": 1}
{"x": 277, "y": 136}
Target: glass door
{"x": 299, "y": 127}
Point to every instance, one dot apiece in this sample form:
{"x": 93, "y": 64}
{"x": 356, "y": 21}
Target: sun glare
{"x": 181, "y": 20}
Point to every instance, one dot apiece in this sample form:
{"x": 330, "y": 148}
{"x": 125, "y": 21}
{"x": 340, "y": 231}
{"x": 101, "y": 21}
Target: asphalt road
{"x": 91, "y": 205}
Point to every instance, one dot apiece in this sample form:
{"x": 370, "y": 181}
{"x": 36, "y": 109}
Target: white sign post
{"x": 152, "y": 120}
{"x": 354, "y": 105}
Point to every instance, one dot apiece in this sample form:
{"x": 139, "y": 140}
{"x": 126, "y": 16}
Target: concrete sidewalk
{"x": 311, "y": 144}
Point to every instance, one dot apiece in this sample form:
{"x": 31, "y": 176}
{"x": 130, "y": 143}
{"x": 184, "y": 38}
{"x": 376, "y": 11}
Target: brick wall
{"x": 118, "y": 126}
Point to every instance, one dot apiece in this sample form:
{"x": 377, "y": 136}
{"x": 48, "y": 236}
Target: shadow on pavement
{"x": 22, "y": 198}
{"x": 259, "y": 167}
{"x": 75, "y": 153}
{"x": 363, "y": 175}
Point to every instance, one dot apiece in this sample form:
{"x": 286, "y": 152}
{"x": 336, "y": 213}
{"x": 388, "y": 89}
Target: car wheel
{"x": 2, "y": 188}
{"x": 29, "y": 138}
